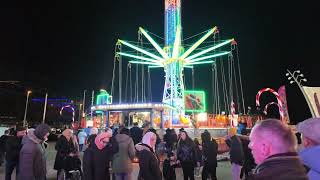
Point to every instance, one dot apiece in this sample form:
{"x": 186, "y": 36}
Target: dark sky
{"x": 65, "y": 47}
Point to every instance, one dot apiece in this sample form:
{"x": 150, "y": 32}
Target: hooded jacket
{"x": 96, "y": 160}
{"x": 121, "y": 162}
{"x": 32, "y": 158}
{"x": 310, "y": 158}
{"x": 148, "y": 163}
{"x": 280, "y": 167}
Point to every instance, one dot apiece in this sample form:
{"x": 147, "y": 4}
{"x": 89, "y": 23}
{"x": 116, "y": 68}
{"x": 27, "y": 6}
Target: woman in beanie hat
{"x": 96, "y": 158}
{"x": 32, "y": 162}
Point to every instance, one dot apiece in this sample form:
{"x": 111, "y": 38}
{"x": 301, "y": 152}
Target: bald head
{"x": 270, "y": 137}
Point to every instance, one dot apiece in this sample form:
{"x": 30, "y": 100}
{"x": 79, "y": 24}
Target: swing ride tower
{"x": 174, "y": 57}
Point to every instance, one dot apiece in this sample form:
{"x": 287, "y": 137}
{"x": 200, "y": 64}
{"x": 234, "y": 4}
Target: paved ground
{"x": 223, "y": 170}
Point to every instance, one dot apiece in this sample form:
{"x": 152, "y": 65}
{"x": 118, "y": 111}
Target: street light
{"x": 300, "y": 75}
{"x": 298, "y": 79}
{"x": 297, "y": 71}
{"x": 26, "y": 109}
{"x": 304, "y": 80}
{"x": 80, "y": 105}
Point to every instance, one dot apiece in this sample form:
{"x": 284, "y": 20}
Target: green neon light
{"x": 202, "y": 62}
{"x": 100, "y": 96}
{"x": 155, "y": 45}
{"x": 138, "y": 57}
{"x": 141, "y": 50}
{"x": 202, "y": 93}
{"x": 176, "y": 45}
{"x": 155, "y": 67}
{"x": 141, "y": 62}
{"x": 188, "y": 67}
{"x": 195, "y": 45}
{"x": 208, "y": 57}
{"x": 99, "y": 112}
{"x": 210, "y": 49}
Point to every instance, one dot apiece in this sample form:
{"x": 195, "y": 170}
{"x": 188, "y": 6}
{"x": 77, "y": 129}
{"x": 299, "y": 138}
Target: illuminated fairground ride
{"x": 175, "y": 56}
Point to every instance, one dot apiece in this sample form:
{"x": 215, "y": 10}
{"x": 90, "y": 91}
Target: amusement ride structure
{"x": 174, "y": 56}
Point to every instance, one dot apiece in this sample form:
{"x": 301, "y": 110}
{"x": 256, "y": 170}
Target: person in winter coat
{"x": 236, "y": 155}
{"x": 66, "y": 151}
{"x": 169, "y": 165}
{"x": 248, "y": 161}
{"x": 3, "y": 140}
{"x": 145, "y": 127}
{"x": 32, "y": 162}
{"x": 187, "y": 156}
{"x": 199, "y": 153}
{"x": 210, "y": 151}
{"x": 82, "y": 139}
{"x": 136, "y": 133}
{"x": 168, "y": 139}
{"x": 310, "y": 129}
{"x": 92, "y": 136}
{"x": 148, "y": 160}
{"x": 13, "y": 146}
{"x": 122, "y": 161}
{"x": 273, "y": 146}
{"x": 97, "y": 157}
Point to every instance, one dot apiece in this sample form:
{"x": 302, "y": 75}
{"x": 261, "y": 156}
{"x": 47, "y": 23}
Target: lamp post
{"x": 26, "y": 109}
{"x": 298, "y": 79}
{"x": 45, "y": 108}
{"x": 83, "y": 102}
{"x": 80, "y": 105}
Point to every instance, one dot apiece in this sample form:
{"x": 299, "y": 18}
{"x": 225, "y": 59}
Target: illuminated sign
{"x": 194, "y": 101}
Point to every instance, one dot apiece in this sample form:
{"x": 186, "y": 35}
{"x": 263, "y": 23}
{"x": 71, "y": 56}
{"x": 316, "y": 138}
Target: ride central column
{"x": 174, "y": 86}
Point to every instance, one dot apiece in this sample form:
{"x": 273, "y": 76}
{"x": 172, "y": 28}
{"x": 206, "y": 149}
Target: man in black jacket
{"x": 12, "y": 149}
{"x": 3, "y": 140}
{"x": 236, "y": 155}
{"x": 136, "y": 133}
{"x": 273, "y": 146}
{"x": 210, "y": 151}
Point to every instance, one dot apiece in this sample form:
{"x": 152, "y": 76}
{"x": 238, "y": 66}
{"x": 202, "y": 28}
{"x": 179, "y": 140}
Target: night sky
{"x": 64, "y": 47}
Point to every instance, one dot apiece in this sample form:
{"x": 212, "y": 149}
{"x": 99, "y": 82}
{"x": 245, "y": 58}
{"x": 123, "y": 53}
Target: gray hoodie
{"x": 121, "y": 162}
{"x": 32, "y": 161}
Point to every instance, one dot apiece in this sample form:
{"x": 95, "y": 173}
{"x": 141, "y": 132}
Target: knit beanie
{"x": 41, "y": 130}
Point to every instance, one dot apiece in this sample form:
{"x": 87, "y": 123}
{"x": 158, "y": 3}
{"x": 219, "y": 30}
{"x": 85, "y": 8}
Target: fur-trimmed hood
{"x": 141, "y": 146}
{"x": 31, "y": 136}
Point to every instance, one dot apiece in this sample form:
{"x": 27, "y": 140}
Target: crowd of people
{"x": 269, "y": 151}
{"x": 24, "y": 152}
